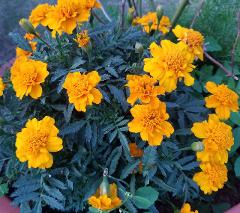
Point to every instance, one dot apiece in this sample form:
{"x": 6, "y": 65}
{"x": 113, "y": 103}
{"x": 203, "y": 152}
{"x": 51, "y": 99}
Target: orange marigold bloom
{"x": 169, "y": 63}
{"x": 81, "y": 89}
{"x": 82, "y": 39}
{"x": 211, "y": 178}
{"x": 192, "y": 38}
{"x": 29, "y": 36}
{"x": 223, "y": 99}
{"x": 21, "y": 52}
{"x": 217, "y": 139}
{"x": 150, "y": 23}
{"x": 143, "y": 88}
{"x": 134, "y": 150}
{"x": 150, "y": 121}
{"x": 106, "y": 202}
{"x": 2, "y": 86}
{"x": 27, "y": 76}
{"x": 39, "y": 14}
{"x": 36, "y": 141}
{"x": 187, "y": 209}
{"x": 65, "y": 16}
{"x": 90, "y": 4}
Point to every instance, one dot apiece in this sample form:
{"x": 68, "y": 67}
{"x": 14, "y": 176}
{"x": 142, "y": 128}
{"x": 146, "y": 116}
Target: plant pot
{"x": 235, "y": 209}
{"x": 5, "y": 206}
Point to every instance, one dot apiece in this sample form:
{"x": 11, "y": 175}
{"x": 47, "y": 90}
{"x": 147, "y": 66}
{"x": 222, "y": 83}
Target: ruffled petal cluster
{"x": 106, "y": 202}
{"x": 36, "y": 141}
{"x": 81, "y": 89}
{"x": 212, "y": 177}
{"x": 150, "y": 120}
{"x": 149, "y": 22}
{"x": 192, "y": 38}
{"x": 217, "y": 139}
{"x": 223, "y": 99}
{"x": 143, "y": 88}
{"x": 170, "y": 63}
{"x": 27, "y": 75}
{"x": 187, "y": 209}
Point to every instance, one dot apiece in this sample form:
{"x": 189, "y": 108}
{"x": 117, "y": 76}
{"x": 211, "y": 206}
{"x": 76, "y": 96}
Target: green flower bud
{"x": 104, "y": 186}
{"x": 27, "y": 26}
{"x": 139, "y": 48}
{"x": 197, "y": 146}
{"x": 130, "y": 15}
{"x": 159, "y": 11}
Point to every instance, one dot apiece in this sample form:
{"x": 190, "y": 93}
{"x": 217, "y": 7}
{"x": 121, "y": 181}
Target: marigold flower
{"x": 81, "y": 89}
{"x": 217, "y": 139}
{"x": 187, "y": 209}
{"x": 106, "y": 202}
{"x": 2, "y": 86}
{"x": 27, "y": 76}
{"x": 21, "y": 52}
{"x": 39, "y": 14}
{"x": 169, "y": 63}
{"x": 29, "y": 36}
{"x": 211, "y": 178}
{"x": 36, "y": 141}
{"x": 223, "y": 99}
{"x": 192, "y": 38}
{"x": 150, "y": 121}
{"x": 65, "y": 16}
{"x": 134, "y": 150}
{"x": 82, "y": 39}
{"x": 150, "y": 23}
{"x": 90, "y": 4}
{"x": 143, "y": 88}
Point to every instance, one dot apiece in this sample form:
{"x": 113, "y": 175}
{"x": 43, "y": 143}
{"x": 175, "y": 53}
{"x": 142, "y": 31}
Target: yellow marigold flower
{"x": 106, "y": 202}
{"x": 20, "y": 52}
{"x": 65, "y": 16}
{"x": 223, "y": 99}
{"x": 211, "y": 178}
{"x": 81, "y": 89}
{"x": 192, "y": 38}
{"x": 90, "y": 4}
{"x": 82, "y": 39}
{"x": 29, "y": 36}
{"x": 150, "y": 121}
{"x": 2, "y": 86}
{"x": 36, "y": 142}
{"x": 27, "y": 76}
{"x": 134, "y": 150}
{"x": 169, "y": 63}
{"x": 39, "y": 14}
{"x": 187, "y": 209}
{"x": 150, "y": 23}
{"x": 143, "y": 88}
{"x": 217, "y": 139}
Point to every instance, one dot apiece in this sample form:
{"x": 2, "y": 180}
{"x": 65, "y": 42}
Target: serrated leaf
{"x": 148, "y": 192}
{"x": 3, "y": 189}
{"x": 129, "y": 168}
{"x": 21, "y": 42}
{"x": 237, "y": 167}
{"x": 72, "y": 128}
{"x": 123, "y": 140}
{"x": 55, "y": 204}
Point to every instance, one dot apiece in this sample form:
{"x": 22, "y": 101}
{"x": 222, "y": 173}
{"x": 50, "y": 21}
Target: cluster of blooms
{"x": 169, "y": 63}
{"x": 64, "y": 16}
{"x": 150, "y": 23}
{"x": 217, "y": 138}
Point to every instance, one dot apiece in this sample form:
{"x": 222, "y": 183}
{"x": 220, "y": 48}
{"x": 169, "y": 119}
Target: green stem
{"x": 61, "y": 50}
{"x": 179, "y": 11}
{"x": 152, "y": 4}
{"x": 105, "y": 12}
{"x": 140, "y": 7}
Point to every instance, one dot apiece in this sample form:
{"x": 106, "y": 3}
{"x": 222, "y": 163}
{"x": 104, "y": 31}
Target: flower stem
{"x": 105, "y": 12}
{"x": 140, "y": 7}
{"x": 228, "y": 73}
{"x": 179, "y": 11}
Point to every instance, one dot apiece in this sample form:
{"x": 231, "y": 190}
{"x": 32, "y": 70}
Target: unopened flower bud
{"x": 104, "y": 186}
{"x": 27, "y": 26}
{"x": 197, "y": 146}
{"x": 130, "y": 15}
{"x": 159, "y": 11}
{"x": 139, "y": 48}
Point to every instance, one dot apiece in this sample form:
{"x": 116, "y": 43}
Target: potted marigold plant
{"x": 110, "y": 116}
